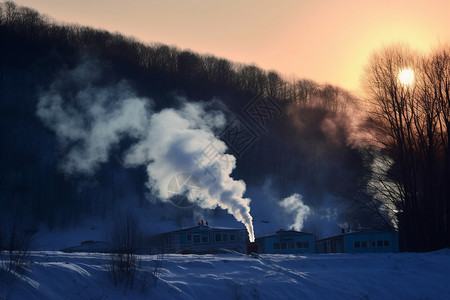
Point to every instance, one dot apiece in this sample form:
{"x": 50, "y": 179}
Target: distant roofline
{"x": 83, "y": 245}
{"x": 278, "y": 233}
{"x": 356, "y": 232}
{"x": 207, "y": 227}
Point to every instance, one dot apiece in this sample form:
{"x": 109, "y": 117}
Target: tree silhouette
{"x": 409, "y": 127}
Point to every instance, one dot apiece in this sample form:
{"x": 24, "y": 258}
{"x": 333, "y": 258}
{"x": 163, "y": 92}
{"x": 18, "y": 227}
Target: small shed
{"x": 90, "y": 247}
{"x": 199, "y": 239}
{"x": 361, "y": 241}
{"x": 286, "y": 242}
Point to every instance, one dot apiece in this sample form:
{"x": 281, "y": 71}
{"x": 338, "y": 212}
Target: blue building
{"x": 286, "y": 242}
{"x": 199, "y": 239}
{"x": 362, "y": 241}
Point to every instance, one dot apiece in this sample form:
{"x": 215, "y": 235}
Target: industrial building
{"x": 361, "y": 241}
{"x": 286, "y": 242}
{"x": 199, "y": 239}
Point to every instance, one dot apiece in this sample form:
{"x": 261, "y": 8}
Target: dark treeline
{"x": 162, "y": 66}
{"x": 410, "y": 122}
{"x": 309, "y": 149}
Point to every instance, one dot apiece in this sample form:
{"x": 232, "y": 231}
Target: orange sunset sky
{"x": 327, "y": 41}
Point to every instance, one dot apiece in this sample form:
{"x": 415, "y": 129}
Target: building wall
{"x": 372, "y": 242}
{"x": 331, "y": 245}
{"x": 294, "y": 244}
{"x": 369, "y": 241}
{"x": 212, "y": 240}
{"x": 201, "y": 239}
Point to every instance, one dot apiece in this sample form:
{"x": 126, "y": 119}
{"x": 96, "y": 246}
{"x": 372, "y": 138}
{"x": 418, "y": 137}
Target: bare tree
{"x": 436, "y": 91}
{"x": 275, "y": 85}
{"x": 126, "y": 241}
{"x": 306, "y": 89}
{"x": 15, "y": 245}
{"x": 407, "y": 121}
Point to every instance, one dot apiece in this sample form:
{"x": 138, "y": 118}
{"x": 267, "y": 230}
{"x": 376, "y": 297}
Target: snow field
{"x": 57, "y": 275}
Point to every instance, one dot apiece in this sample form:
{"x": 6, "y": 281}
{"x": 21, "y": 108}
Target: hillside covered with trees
{"x": 321, "y": 143}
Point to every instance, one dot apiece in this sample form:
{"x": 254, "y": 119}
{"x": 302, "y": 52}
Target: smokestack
{"x": 252, "y": 248}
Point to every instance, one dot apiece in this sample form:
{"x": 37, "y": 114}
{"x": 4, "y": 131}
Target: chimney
{"x": 252, "y": 248}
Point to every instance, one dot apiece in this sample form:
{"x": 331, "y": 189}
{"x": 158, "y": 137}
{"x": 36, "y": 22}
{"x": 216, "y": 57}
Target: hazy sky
{"x": 327, "y": 41}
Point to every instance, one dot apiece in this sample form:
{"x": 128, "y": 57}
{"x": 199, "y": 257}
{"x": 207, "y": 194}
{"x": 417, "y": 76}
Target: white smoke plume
{"x": 182, "y": 141}
{"x": 294, "y": 205}
{"x": 90, "y": 121}
{"x": 383, "y": 189}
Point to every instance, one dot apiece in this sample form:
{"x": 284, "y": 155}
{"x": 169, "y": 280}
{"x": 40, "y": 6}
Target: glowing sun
{"x": 406, "y": 76}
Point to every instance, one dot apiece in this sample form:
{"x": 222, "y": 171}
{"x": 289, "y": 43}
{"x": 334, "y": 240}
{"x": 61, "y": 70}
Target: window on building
{"x": 386, "y": 243}
{"x": 218, "y": 237}
{"x": 232, "y": 237}
{"x": 276, "y": 246}
{"x": 204, "y": 239}
{"x": 373, "y": 243}
{"x": 305, "y": 244}
{"x": 225, "y": 237}
{"x": 283, "y": 246}
{"x": 379, "y": 243}
{"x": 196, "y": 238}
{"x": 364, "y": 244}
{"x": 299, "y": 244}
{"x": 357, "y": 244}
{"x": 188, "y": 237}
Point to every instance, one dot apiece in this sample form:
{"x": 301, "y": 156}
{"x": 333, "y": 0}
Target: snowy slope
{"x": 57, "y": 275}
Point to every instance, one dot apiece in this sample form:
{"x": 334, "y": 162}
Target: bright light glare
{"x": 406, "y": 76}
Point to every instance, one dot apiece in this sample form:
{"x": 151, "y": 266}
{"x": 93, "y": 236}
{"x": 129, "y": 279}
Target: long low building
{"x": 286, "y": 242}
{"x": 361, "y": 241}
{"x": 199, "y": 239}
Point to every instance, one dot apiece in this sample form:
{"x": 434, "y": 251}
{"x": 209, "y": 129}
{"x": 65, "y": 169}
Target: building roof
{"x": 282, "y": 232}
{"x": 90, "y": 246}
{"x": 202, "y": 228}
{"x": 360, "y": 231}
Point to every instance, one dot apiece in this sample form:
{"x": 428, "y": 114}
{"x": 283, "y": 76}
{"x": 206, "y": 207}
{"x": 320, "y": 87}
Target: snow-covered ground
{"x": 57, "y": 275}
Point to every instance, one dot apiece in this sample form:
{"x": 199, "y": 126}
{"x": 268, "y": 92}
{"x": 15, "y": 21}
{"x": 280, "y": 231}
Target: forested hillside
{"x": 311, "y": 147}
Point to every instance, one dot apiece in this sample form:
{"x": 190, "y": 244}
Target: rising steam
{"x": 382, "y": 188}
{"x": 294, "y": 205}
{"x": 90, "y": 121}
{"x": 181, "y": 141}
